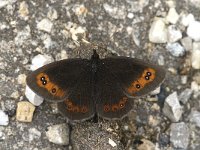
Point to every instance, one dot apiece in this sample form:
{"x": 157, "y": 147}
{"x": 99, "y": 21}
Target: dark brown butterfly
{"x": 84, "y": 87}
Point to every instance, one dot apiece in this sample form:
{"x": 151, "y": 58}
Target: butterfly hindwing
{"x": 79, "y": 105}
{"x": 54, "y": 80}
{"x": 111, "y": 103}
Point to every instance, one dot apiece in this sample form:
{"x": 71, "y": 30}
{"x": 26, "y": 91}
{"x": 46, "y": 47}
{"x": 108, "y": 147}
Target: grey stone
{"x": 115, "y": 12}
{"x": 179, "y": 135}
{"x": 172, "y": 108}
{"x": 185, "y": 95}
{"x": 45, "y": 25}
{"x": 175, "y": 49}
{"x": 194, "y": 117}
{"x": 187, "y": 43}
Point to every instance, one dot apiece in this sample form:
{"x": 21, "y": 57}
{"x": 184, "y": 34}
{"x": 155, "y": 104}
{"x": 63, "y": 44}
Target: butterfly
{"x": 85, "y": 87}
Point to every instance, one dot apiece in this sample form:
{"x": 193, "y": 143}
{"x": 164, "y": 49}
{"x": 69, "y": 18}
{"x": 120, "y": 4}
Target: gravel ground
{"x": 159, "y": 31}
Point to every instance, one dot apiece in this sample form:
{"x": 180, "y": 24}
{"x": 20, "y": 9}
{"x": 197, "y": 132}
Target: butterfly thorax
{"x": 94, "y": 62}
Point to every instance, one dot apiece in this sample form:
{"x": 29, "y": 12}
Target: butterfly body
{"x": 84, "y": 87}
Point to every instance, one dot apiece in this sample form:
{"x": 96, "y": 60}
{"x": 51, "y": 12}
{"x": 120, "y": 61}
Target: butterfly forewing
{"x": 53, "y": 81}
{"x": 136, "y": 77}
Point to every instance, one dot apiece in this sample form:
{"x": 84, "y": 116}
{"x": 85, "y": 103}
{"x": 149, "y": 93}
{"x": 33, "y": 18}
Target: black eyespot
{"x": 148, "y": 73}
{"x": 53, "y": 90}
{"x": 44, "y": 82}
{"x": 42, "y": 78}
{"x": 147, "y": 77}
{"x": 137, "y": 86}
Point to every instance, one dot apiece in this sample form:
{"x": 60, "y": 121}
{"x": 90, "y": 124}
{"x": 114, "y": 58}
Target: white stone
{"x": 195, "y": 59}
{"x": 130, "y": 15}
{"x": 187, "y": 19}
{"x": 175, "y": 49}
{"x": 45, "y": 25}
{"x": 4, "y": 120}
{"x": 3, "y": 3}
{"x": 156, "y": 91}
{"x": 194, "y": 86}
{"x": 111, "y": 142}
{"x": 23, "y": 10}
{"x": 40, "y": 60}
{"x": 172, "y": 16}
{"x": 58, "y": 134}
{"x": 52, "y": 14}
{"x": 172, "y": 108}
{"x": 32, "y": 97}
{"x": 193, "y": 30}
{"x": 173, "y": 34}
{"x": 21, "y": 79}
{"x": 158, "y": 32}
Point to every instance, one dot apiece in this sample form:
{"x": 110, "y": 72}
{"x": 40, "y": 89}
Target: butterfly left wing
{"x": 54, "y": 81}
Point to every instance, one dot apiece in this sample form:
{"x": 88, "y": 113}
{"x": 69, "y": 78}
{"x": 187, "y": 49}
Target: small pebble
{"x": 112, "y": 143}
{"x": 45, "y": 25}
{"x": 193, "y": 30}
{"x": 156, "y": 91}
{"x": 40, "y": 60}
{"x": 21, "y": 79}
{"x": 146, "y": 145}
{"x": 172, "y": 16}
{"x": 115, "y": 12}
{"x": 158, "y": 32}
{"x": 172, "y": 108}
{"x": 187, "y": 19}
{"x": 33, "y": 97}
{"x": 34, "y": 134}
{"x": 25, "y": 111}
{"x": 194, "y": 117}
{"x": 3, "y": 3}
{"x": 52, "y": 14}
{"x": 179, "y": 135}
{"x": 4, "y": 120}
{"x": 195, "y": 3}
{"x": 23, "y": 10}
{"x": 194, "y": 86}
{"x": 185, "y": 95}
{"x": 58, "y": 134}
{"x": 173, "y": 34}
{"x": 187, "y": 43}
{"x": 175, "y": 49}
{"x": 195, "y": 58}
